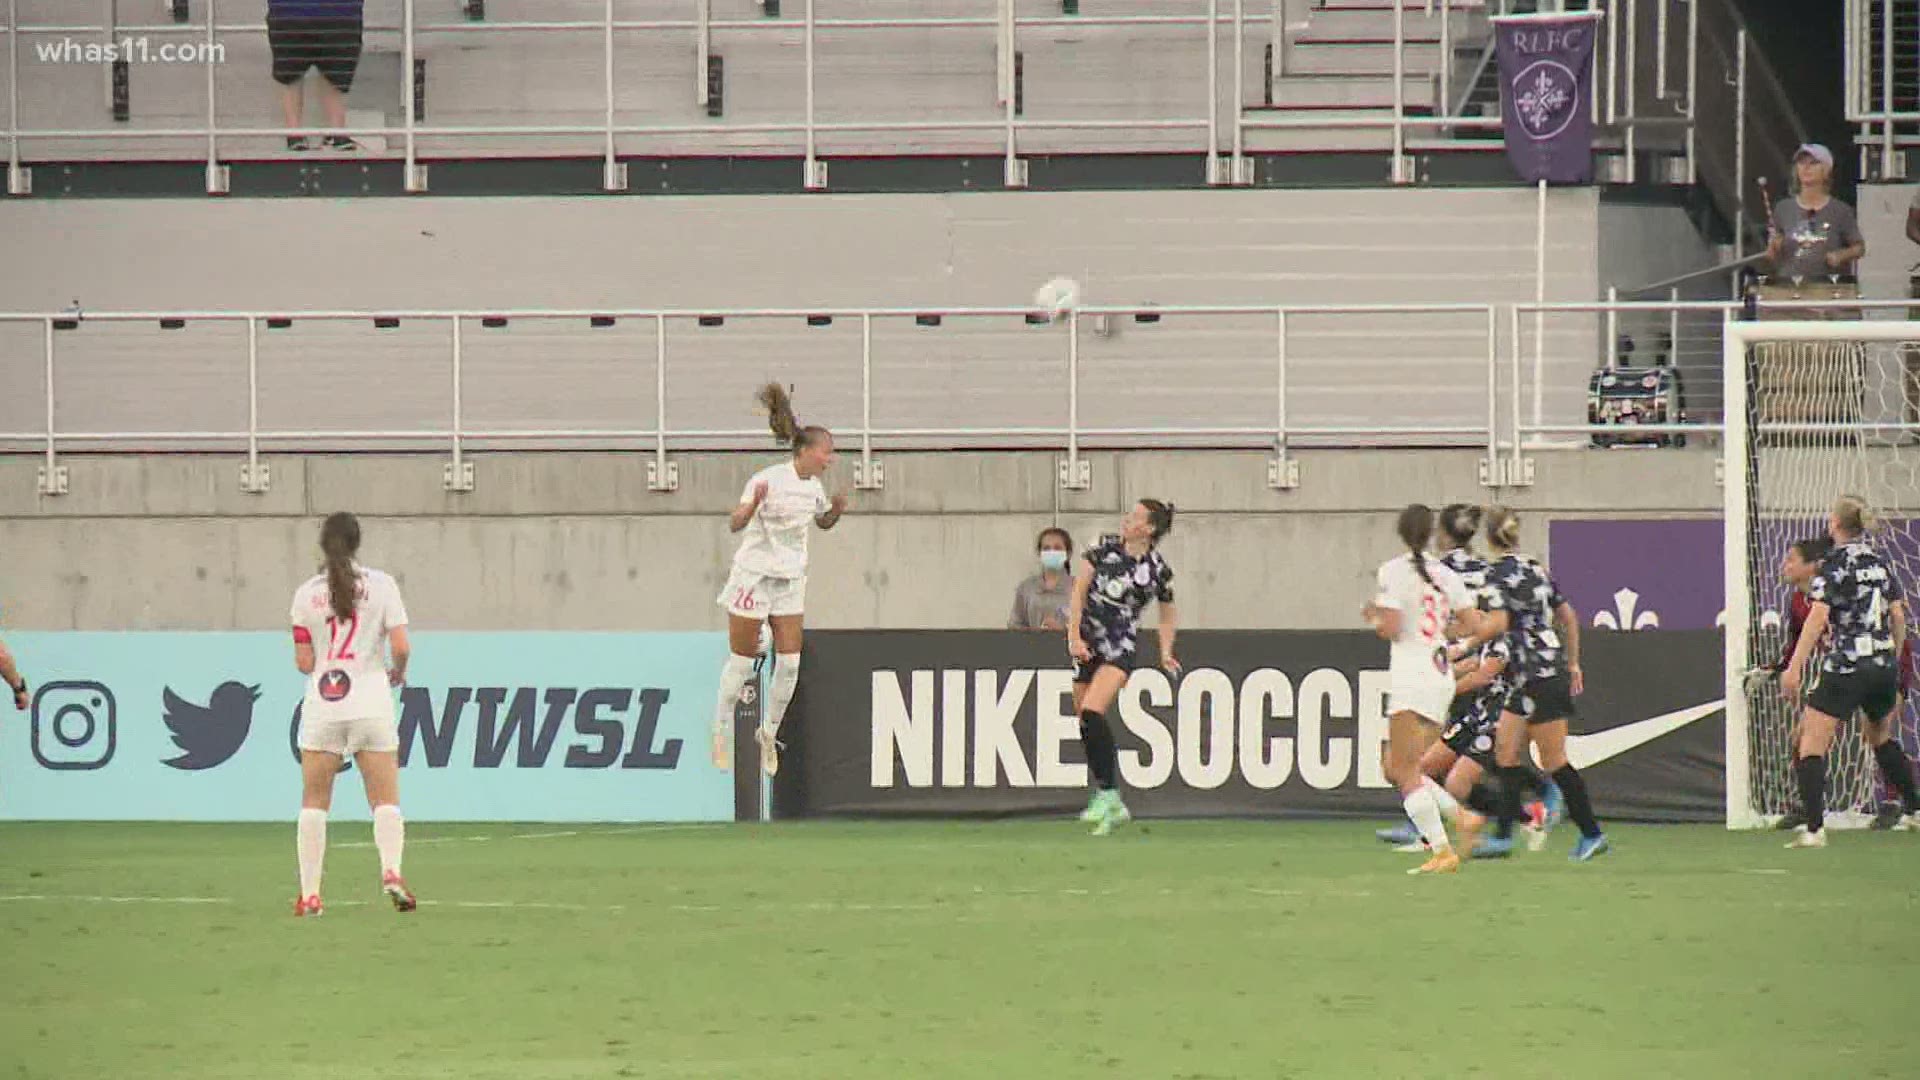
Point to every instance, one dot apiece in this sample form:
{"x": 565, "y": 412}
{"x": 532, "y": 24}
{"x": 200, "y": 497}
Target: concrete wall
{"x": 564, "y": 541}
{"x": 1149, "y": 248}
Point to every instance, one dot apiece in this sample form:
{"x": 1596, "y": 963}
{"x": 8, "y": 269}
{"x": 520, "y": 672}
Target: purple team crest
{"x": 1545, "y": 72}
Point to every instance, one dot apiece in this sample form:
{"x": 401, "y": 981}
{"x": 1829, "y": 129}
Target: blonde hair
{"x": 1854, "y": 515}
{"x": 1503, "y": 527}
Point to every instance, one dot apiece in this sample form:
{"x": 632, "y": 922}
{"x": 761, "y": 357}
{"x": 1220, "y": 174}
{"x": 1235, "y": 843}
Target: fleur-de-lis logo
{"x": 1626, "y": 614}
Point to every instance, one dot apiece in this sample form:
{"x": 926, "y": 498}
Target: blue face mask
{"x": 1053, "y": 560}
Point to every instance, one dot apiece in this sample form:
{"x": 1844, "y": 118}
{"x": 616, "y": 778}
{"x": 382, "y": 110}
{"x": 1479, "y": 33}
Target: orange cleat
{"x": 1468, "y": 825}
{"x": 396, "y": 889}
{"x": 1443, "y": 862}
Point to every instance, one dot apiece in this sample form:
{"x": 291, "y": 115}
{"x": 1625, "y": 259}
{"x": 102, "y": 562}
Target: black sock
{"x": 1536, "y": 780}
{"x": 1513, "y": 781}
{"x": 1579, "y": 807}
{"x": 1483, "y": 800}
{"x": 1812, "y": 774}
{"x": 1103, "y": 755}
{"x": 1899, "y": 772}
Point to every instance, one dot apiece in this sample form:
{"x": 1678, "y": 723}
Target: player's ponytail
{"x": 786, "y": 427}
{"x": 1459, "y": 521}
{"x": 1416, "y": 528}
{"x": 339, "y": 542}
{"x": 1159, "y": 517}
{"x": 1503, "y": 528}
{"x": 1854, "y": 516}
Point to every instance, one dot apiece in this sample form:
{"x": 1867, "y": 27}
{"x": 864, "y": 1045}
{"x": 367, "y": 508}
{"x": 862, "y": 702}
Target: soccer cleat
{"x": 1443, "y": 862}
{"x": 1791, "y": 820}
{"x": 306, "y": 905}
{"x": 396, "y": 889}
{"x": 1114, "y": 814}
{"x": 1400, "y": 835}
{"x": 1494, "y": 847}
{"x": 1467, "y": 825}
{"x": 1803, "y": 838}
{"x": 769, "y": 751}
{"x": 1886, "y": 819}
{"x": 1908, "y": 823}
{"x": 1589, "y": 848}
{"x": 1096, "y": 808}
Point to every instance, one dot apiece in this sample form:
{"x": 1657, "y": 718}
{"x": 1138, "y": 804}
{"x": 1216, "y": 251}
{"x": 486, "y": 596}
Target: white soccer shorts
{"x": 348, "y": 736}
{"x": 754, "y": 596}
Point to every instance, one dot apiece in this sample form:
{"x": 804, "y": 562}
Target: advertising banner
{"x": 1262, "y": 723}
{"x": 493, "y": 727}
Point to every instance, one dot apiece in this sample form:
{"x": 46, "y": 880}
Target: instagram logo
{"x": 74, "y": 725}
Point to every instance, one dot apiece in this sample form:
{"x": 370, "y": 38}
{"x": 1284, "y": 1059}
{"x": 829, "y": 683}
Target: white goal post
{"x": 1813, "y": 410}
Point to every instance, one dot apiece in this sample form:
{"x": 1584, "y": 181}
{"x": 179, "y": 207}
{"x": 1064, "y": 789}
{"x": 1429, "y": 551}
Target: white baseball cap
{"x": 1815, "y": 151}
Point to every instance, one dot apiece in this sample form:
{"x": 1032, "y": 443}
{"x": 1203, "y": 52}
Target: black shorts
{"x": 1543, "y": 701}
{"x": 1469, "y": 740}
{"x": 332, "y": 45}
{"x": 1462, "y": 705}
{"x": 1873, "y": 691}
{"x": 1083, "y": 669}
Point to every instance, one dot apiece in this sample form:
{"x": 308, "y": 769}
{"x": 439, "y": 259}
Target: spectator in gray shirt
{"x": 1040, "y": 603}
{"x": 1814, "y": 234}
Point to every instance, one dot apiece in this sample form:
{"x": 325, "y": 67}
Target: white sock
{"x": 1425, "y": 812}
{"x": 733, "y": 679}
{"x": 786, "y": 676}
{"x": 311, "y": 843}
{"x": 390, "y": 836}
{"x": 1449, "y": 806}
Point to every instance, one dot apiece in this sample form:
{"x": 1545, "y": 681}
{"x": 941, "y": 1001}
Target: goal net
{"x": 1814, "y": 410}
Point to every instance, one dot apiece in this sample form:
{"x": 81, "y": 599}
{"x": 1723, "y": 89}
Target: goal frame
{"x": 1736, "y": 459}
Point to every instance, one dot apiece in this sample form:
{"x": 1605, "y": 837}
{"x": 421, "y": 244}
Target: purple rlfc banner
{"x": 1546, "y": 85}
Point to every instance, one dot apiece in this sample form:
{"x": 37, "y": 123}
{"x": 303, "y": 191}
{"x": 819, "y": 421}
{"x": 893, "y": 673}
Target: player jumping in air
{"x": 1521, "y": 599}
{"x": 350, "y": 640}
{"x": 1113, "y": 584}
{"x": 769, "y": 579}
{"x": 1854, "y": 593}
{"x": 1418, "y": 596}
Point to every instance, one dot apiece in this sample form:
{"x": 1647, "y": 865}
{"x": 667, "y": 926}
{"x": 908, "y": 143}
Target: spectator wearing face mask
{"x": 1040, "y": 603}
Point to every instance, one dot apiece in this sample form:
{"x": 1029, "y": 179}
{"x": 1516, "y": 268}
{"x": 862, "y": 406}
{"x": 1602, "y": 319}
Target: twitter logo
{"x": 209, "y": 734}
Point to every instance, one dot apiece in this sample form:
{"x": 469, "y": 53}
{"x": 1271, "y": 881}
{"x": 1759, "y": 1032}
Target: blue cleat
{"x": 1493, "y": 847}
{"x": 1400, "y": 835}
{"x": 1589, "y": 847}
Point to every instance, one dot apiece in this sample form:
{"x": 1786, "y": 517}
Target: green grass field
{"x": 1003, "y": 950}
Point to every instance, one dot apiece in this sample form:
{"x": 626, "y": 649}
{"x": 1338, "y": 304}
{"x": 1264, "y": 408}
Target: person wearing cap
{"x": 1814, "y": 235}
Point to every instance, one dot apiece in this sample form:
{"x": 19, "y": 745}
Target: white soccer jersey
{"x": 774, "y": 543}
{"x": 349, "y": 680}
{"x": 1424, "y": 609}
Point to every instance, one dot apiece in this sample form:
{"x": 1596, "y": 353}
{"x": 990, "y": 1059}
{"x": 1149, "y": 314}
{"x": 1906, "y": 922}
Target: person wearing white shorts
{"x": 350, "y": 640}
{"x": 1418, "y": 596}
{"x": 768, "y": 585}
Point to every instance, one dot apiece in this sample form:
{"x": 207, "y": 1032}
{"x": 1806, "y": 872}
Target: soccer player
{"x": 1521, "y": 599}
{"x": 16, "y": 682}
{"x": 768, "y": 584}
{"x": 1464, "y": 754}
{"x": 1115, "y": 581}
{"x": 1797, "y": 567}
{"x": 1418, "y": 596}
{"x": 350, "y": 640}
{"x": 1856, "y": 595}
{"x": 1458, "y": 524}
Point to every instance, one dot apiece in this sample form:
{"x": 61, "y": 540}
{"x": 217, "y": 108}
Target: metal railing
{"x": 1881, "y": 76}
{"x": 1514, "y": 421}
{"x": 1637, "y": 107}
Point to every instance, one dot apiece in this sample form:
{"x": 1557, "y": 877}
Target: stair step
{"x": 1349, "y": 90}
{"x": 1320, "y": 58}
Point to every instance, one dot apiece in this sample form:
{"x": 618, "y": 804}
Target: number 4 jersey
{"x": 349, "y": 680}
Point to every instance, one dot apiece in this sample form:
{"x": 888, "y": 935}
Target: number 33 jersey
{"x": 349, "y": 680}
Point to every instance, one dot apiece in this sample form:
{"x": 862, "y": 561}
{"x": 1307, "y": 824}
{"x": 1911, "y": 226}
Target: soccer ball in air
{"x": 1057, "y": 297}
